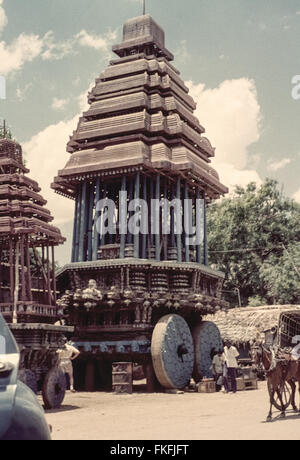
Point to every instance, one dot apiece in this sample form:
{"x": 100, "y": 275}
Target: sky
{"x": 240, "y": 59}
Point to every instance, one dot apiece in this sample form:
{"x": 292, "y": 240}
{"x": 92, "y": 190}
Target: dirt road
{"x": 191, "y": 416}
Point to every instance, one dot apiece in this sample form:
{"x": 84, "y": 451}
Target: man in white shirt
{"x": 230, "y": 356}
{"x": 67, "y": 353}
{"x": 295, "y": 354}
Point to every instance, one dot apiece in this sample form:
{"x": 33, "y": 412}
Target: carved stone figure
{"x": 91, "y": 296}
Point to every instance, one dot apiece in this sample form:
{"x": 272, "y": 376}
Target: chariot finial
{"x": 144, "y": 7}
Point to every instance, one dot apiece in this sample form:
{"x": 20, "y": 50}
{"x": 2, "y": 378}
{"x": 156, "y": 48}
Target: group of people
{"x": 224, "y": 368}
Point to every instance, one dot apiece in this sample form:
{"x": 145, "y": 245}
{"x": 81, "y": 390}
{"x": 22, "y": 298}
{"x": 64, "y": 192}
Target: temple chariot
{"x": 141, "y": 296}
{"x": 27, "y": 275}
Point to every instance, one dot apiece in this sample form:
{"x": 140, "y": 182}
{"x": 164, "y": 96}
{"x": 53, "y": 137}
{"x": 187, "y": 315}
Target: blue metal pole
{"x": 129, "y": 234}
{"x": 97, "y": 214}
{"x": 136, "y": 197}
{"x": 199, "y": 224}
{"x": 186, "y": 222}
{"x": 79, "y": 199}
{"x": 179, "y": 242}
{"x": 151, "y": 223}
{"x": 144, "y": 236}
{"x": 205, "y": 231}
{"x": 157, "y": 216}
{"x": 90, "y": 221}
{"x": 172, "y": 219}
{"x": 103, "y": 239}
{"x": 123, "y": 218}
{"x": 75, "y": 227}
{"x": 83, "y": 223}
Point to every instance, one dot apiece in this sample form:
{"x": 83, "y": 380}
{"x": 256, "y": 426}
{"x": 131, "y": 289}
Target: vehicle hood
{"x": 8, "y": 388}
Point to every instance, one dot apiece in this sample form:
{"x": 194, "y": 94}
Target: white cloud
{"x": 97, "y": 42}
{"x": 24, "y": 49}
{"x": 231, "y": 115}
{"x": 22, "y": 92}
{"x": 56, "y": 50}
{"x": 181, "y": 54}
{"x": 296, "y": 196}
{"x": 3, "y": 18}
{"x": 27, "y": 47}
{"x": 277, "y": 165}
{"x": 45, "y": 154}
{"x": 59, "y": 104}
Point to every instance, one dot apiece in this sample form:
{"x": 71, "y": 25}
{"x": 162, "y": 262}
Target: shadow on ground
{"x": 62, "y": 409}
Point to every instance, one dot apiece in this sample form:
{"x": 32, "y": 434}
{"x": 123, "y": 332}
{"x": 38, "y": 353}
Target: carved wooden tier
{"x": 140, "y": 137}
{"x": 127, "y": 297}
{"x": 27, "y": 280}
{"x": 140, "y": 117}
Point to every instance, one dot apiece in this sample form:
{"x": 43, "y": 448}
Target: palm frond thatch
{"x": 245, "y": 325}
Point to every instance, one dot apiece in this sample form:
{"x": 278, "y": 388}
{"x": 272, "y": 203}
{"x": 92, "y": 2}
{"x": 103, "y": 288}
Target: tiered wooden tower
{"x": 139, "y": 136}
{"x": 28, "y": 285}
{"x": 27, "y": 274}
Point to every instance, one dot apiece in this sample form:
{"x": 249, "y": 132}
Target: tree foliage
{"x": 5, "y": 133}
{"x": 254, "y": 238}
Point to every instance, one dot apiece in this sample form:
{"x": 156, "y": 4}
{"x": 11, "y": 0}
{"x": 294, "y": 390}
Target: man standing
{"x": 230, "y": 356}
{"x": 217, "y": 369}
{"x": 67, "y": 353}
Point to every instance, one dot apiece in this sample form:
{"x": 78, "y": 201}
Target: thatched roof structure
{"x": 245, "y": 325}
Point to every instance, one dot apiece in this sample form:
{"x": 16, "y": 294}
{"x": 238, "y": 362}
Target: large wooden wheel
{"x": 207, "y": 338}
{"x": 54, "y": 388}
{"x": 285, "y": 394}
{"x": 172, "y": 352}
{"x": 29, "y": 378}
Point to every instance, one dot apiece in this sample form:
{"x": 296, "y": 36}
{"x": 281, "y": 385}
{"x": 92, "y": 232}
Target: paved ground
{"x": 191, "y": 416}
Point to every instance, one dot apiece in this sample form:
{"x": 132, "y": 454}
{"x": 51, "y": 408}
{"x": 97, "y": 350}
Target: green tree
{"x": 7, "y": 134}
{"x": 253, "y": 238}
